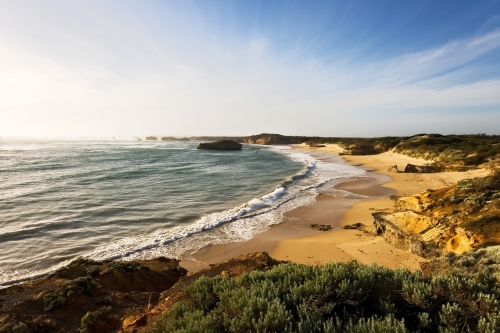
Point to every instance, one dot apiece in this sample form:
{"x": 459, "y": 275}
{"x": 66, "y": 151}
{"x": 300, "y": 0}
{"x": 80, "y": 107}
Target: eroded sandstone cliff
{"x": 455, "y": 219}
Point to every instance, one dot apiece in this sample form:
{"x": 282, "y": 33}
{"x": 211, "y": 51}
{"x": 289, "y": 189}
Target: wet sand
{"x": 295, "y": 240}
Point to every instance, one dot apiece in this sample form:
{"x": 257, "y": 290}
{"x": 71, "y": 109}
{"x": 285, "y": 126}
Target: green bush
{"x": 470, "y": 150}
{"x": 53, "y": 300}
{"x": 336, "y": 297}
{"x": 93, "y": 317}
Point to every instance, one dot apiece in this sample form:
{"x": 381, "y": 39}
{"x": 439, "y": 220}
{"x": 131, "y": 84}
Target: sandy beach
{"x": 296, "y": 241}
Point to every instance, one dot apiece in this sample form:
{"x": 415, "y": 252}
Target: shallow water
{"x": 130, "y": 199}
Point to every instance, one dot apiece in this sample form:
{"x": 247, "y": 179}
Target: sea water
{"x": 129, "y": 199}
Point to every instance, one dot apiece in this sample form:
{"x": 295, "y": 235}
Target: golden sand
{"x": 296, "y": 241}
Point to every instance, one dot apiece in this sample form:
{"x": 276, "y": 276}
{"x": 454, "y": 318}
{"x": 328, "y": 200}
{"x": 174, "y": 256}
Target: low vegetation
{"x": 92, "y": 317}
{"x": 482, "y": 261}
{"x": 463, "y": 149}
{"x": 454, "y": 150}
{"x": 337, "y": 297}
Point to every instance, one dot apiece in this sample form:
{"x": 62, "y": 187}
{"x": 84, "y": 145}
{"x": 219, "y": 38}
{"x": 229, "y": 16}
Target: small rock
{"x": 321, "y": 227}
{"x": 356, "y": 226}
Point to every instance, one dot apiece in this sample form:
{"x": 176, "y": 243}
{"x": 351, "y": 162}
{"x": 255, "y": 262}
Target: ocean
{"x": 129, "y": 199}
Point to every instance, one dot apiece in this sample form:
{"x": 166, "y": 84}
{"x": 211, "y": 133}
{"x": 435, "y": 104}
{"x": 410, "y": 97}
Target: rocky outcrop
{"x": 355, "y": 226}
{"x": 88, "y": 295}
{"x": 454, "y": 219}
{"x": 111, "y": 296}
{"x": 221, "y": 145}
{"x": 321, "y": 227}
{"x": 151, "y": 138}
{"x": 428, "y": 168}
{"x": 387, "y": 226}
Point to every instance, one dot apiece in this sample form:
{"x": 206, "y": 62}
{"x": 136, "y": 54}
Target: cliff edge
{"x": 455, "y": 219}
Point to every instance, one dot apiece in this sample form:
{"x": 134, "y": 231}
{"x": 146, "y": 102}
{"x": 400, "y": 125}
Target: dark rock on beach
{"x": 221, "y": 145}
{"x": 355, "y": 226}
{"x": 321, "y": 227}
{"x": 411, "y": 168}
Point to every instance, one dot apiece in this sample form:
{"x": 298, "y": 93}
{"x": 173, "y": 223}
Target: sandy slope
{"x": 339, "y": 244}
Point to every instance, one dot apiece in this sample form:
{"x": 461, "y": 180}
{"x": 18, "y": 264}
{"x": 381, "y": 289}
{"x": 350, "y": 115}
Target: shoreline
{"x": 296, "y": 241}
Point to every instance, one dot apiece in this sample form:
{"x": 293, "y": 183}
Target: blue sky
{"x": 328, "y": 68}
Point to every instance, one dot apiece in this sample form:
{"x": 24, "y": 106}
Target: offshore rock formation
{"x": 455, "y": 219}
{"x": 151, "y": 138}
{"x": 221, "y": 145}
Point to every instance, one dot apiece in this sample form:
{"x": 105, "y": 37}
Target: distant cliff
{"x": 276, "y": 139}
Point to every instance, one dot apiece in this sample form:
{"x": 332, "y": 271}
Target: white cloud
{"x": 107, "y": 75}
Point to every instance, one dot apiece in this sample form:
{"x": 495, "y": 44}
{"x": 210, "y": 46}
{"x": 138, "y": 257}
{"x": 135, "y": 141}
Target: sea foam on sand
{"x": 237, "y": 224}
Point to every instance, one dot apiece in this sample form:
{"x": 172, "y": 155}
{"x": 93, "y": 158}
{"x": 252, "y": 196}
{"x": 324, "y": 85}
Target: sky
{"x": 367, "y": 68}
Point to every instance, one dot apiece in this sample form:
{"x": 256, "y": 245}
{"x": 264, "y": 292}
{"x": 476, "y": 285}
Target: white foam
{"x": 237, "y": 224}
{"x": 233, "y": 225}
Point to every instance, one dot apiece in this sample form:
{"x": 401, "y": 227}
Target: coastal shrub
{"x": 80, "y": 284}
{"x": 337, "y": 297}
{"x": 122, "y": 266}
{"x": 14, "y": 327}
{"x": 93, "y": 317}
{"x": 468, "y": 150}
{"x": 459, "y": 150}
{"x": 52, "y": 300}
{"x": 482, "y": 264}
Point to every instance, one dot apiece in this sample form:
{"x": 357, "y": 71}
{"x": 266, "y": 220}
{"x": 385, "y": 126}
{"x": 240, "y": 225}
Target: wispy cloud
{"x": 439, "y": 61}
{"x": 112, "y": 73}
